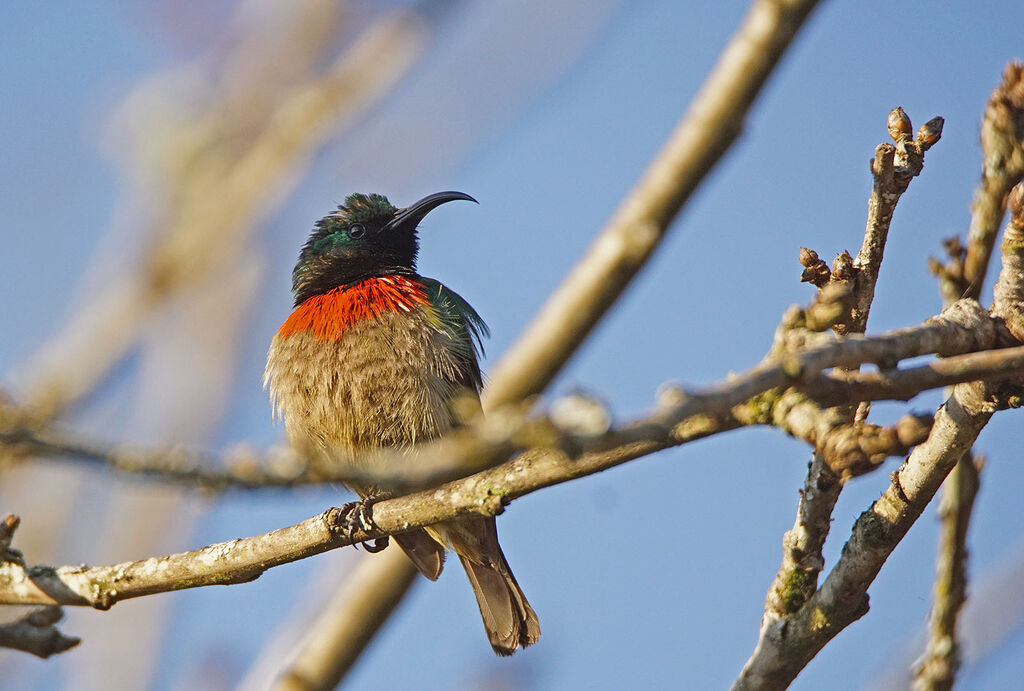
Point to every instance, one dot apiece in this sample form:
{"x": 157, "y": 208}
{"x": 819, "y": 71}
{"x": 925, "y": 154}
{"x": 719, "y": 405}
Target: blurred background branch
{"x": 223, "y": 170}
{"x": 37, "y": 633}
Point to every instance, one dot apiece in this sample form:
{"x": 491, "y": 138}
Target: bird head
{"x": 366, "y": 237}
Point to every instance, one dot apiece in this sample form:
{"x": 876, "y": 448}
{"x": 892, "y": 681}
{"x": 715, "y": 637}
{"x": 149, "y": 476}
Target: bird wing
{"x": 463, "y": 325}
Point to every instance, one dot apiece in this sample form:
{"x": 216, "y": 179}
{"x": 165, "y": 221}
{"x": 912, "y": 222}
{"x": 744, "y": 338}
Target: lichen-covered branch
{"x": 488, "y": 491}
{"x": 802, "y": 545}
{"x": 788, "y": 643}
{"x": 243, "y": 560}
{"x": 236, "y": 561}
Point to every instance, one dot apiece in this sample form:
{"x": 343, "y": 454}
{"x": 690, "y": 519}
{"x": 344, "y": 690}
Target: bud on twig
{"x": 808, "y": 257}
{"x": 8, "y": 525}
{"x": 899, "y": 125}
{"x": 930, "y": 133}
{"x": 815, "y": 270}
{"x": 842, "y": 268}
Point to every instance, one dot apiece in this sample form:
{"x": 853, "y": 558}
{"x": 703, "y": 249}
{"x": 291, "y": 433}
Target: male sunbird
{"x": 374, "y": 356}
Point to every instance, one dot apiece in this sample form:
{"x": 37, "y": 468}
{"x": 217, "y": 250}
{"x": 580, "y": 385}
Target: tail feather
{"x": 424, "y": 552}
{"x": 508, "y": 618}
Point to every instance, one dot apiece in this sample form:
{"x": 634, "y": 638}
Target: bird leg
{"x": 359, "y": 516}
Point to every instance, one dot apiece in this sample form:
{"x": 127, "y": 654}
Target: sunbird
{"x": 375, "y": 356}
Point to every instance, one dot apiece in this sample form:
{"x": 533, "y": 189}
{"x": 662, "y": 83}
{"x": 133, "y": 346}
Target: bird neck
{"x": 328, "y": 315}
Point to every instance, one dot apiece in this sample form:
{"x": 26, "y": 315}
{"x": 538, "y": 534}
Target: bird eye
{"x": 356, "y": 231}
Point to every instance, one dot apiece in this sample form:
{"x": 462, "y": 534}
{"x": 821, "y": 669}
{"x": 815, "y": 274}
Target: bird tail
{"x": 423, "y": 551}
{"x": 509, "y": 620}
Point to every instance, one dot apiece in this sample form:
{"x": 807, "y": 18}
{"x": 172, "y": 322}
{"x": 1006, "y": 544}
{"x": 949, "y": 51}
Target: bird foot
{"x": 379, "y": 545}
{"x": 359, "y": 517}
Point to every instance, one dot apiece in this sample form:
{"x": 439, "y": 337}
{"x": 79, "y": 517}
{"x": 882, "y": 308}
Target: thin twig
{"x": 902, "y": 385}
{"x": 892, "y": 170}
{"x": 9, "y": 524}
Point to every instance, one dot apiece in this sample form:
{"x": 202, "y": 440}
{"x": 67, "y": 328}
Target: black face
{"x": 367, "y": 237}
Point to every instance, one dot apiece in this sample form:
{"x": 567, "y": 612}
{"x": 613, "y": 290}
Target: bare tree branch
{"x": 841, "y": 446}
{"x": 788, "y": 643}
{"x": 802, "y": 545}
{"x": 940, "y": 662}
{"x": 236, "y": 561}
{"x": 902, "y": 385}
{"x": 990, "y": 616}
{"x": 938, "y": 666}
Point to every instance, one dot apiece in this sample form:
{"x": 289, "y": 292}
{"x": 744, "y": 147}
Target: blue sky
{"x": 547, "y": 120}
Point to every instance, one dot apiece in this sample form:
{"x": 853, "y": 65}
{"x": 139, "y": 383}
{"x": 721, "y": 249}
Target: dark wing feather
{"x": 465, "y": 326}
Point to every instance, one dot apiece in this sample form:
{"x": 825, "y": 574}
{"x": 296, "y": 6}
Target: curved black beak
{"x": 409, "y": 217}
